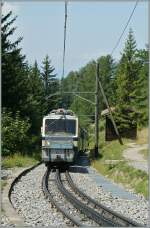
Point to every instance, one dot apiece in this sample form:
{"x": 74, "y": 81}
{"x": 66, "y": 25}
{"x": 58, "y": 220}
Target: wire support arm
{"x": 110, "y": 112}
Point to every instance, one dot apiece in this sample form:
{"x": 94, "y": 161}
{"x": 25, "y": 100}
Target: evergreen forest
{"x": 31, "y": 91}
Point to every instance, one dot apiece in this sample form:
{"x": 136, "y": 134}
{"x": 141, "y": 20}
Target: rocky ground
{"x": 30, "y": 203}
{"x": 137, "y": 210}
{"x": 5, "y": 174}
{"x": 5, "y": 221}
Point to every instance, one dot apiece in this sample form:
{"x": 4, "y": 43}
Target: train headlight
{"x": 47, "y": 143}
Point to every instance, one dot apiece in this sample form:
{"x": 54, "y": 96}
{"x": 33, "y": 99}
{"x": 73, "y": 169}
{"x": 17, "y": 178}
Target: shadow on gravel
{"x": 78, "y": 169}
{"x": 81, "y": 164}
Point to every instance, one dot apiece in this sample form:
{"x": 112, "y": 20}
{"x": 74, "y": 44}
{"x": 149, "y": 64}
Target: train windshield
{"x": 60, "y": 127}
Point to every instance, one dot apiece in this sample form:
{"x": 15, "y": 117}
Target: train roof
{"x": 60, "y": 112}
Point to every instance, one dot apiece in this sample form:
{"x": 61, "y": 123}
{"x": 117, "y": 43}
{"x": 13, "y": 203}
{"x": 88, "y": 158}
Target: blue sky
{"x": 92, "y": 30}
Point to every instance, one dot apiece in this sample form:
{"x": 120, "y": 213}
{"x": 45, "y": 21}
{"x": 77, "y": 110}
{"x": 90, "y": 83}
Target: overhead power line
{"x": 118, "y": 41}
{"x": 64, "y": 50}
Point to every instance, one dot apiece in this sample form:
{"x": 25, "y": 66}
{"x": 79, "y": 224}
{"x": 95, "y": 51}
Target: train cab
{"x": 59, "y": 137}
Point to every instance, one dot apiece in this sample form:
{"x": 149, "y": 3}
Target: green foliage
{"x": 28, "y": 94}
{"x": 127, "y": 73}
{"x": 86, "y": 83}
{"x": 47, "y": 75}
{"x": 68, "y": 84}
{"x": 141, "y": 90}
{"x": 145, "y": 153}
{"x": 22, "y": 95}
{"x": 14, "y": 133}
{"x": 51, "y": 84}
{"x": 37, "y": 99}
{"x": 14, "y": 69}
{"x": 129, "y": 84}
{"x": 18, "y": 160}
{"x": 118, "y": 170}
{"x": 107, "y": 70}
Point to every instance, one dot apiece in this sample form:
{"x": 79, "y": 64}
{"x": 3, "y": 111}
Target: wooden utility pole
{"x": 110, "y": 112}
{"x": 97, "y": 113}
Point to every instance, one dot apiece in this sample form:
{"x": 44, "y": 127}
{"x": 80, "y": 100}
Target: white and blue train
{"x": 60, "y": 137}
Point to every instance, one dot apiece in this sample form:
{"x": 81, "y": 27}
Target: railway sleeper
{"x": 95, "y": 216}
{"x": 120, "y": 220}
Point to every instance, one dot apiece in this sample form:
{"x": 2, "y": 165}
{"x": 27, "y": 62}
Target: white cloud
{"x": 7, "y": 6}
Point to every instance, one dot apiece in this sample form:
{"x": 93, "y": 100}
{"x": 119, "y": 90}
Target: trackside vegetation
{"x": 125, "y": 175}
{"x": 19, "y": 160}
{"x": 112, "y": 165}
{"x": 24, "y": 95}
{"x": 27, "y": 91}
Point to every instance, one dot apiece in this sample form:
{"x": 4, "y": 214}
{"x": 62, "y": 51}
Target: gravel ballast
{"x": 29, "y": 200}
{"x": 137, "y": 210}
{"x": 5, "y": 221}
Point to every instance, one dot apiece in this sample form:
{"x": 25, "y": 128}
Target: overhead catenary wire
{"x": 64, "y": 48}
{"x": 129, "y": 19}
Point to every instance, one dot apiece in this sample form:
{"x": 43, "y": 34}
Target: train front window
{"x": 60, "y": 127}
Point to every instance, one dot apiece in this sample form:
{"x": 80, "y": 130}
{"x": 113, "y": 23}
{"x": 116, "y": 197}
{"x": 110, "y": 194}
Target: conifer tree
{"x": 48, "y": 76}
{"x": 37, "y": 102}
{"x": 14, "y": 69}
{"x": 127, "y": 76}
{"x": 51, "y": 84}
{"x": 141, "y": 91}
{"x": 68, "y": 84}
{"x": 107, "y": 69}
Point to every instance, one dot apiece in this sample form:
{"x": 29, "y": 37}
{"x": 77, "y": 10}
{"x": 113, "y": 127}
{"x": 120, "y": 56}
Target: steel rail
{"x": 54, "y": 202}
{"x": 18, "y": 178}
{"x": 121, "y": 220}
{"x": 89, "y": 212}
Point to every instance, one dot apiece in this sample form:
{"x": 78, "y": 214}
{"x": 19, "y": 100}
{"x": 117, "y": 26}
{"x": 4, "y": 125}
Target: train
{"x": 61, "y": 138}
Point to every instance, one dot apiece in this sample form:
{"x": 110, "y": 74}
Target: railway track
{"x": 97, "y": 214}
{"x": 54, "y": 202}
{"x": 85, "y": 210}
{"x": 107, "y": 213}
{"x": 19, "y": 177}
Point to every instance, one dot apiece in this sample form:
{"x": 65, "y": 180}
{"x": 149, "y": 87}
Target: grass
{"x": 18, "y": 160}
{"x": 122, "y": 173}
{"x": 119, "y": 171}
{"x": 142, "y": 136}
{"x": 145, "y": 153}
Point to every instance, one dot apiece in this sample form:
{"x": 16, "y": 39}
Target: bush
{"x": 14, "y": 133}
{"x": 18, "y": 160}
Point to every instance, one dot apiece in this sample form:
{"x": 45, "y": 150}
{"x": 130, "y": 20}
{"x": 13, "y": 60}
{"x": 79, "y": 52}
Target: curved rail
{"x": 89, "y": 212}
{"x": 18, "y": 178}
{"x": 115, "y": 217}
{"x": 54, "y": 202}
{"x": 104, "y": 217}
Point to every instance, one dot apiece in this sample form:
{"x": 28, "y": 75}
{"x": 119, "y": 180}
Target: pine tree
{"x": 48, "y": 76}
{"x": 127, "y": 72}
{"x": 107, "y": 76}
{"x": 51, "y": 84}
{"x": 68, "y": 84}
{"x": 37, "y": 101}
{"x": 141, "y": 91}
{"x": 16, "y": 92}
{"x": 127, "y": 76}
{"x": 85, "y": 82}
{"x": 14, "y": 69}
